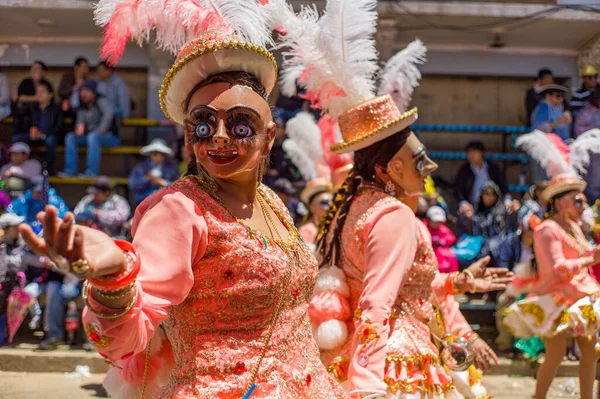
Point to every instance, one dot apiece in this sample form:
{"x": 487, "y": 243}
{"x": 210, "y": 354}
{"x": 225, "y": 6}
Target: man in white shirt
{"x": 20, "y": 165}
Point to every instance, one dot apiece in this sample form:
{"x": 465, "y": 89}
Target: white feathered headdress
{"x": 557, "y": 157}
{"x": 335, "y": 60}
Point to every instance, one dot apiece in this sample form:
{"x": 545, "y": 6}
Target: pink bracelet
{"x": 125, "y": 277}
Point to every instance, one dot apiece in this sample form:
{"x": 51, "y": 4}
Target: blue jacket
{"x": 28, "y": 207}
{"x": 142, "y": 188}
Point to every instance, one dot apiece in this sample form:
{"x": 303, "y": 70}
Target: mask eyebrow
{"x": 244, "y": 108}
{"x": 420, "y": 152}
{"x": 203, "y": 108}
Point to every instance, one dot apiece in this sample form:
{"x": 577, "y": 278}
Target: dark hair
{"x": 365, "y": 161}
{"x": 47, "y": 85}
{"x": 42, "y": 64}
{"x": 475, "y": 145}
{"x": 544, "y": 72}
{"x": 80, "y": 60}
{"x": 233, "y": 78}
{"x": 551, "y": 207}
{"x": 106, "y": 65}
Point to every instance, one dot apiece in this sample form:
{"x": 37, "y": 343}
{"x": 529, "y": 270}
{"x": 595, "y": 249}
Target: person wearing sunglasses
{"x": 589, "y": 85}
{"x": 550, "y": 115}
{"x": 317, "y": 196}
{"x": 564, "y": 297}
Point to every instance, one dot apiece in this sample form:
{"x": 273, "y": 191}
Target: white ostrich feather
{"x": 335, "y": 57}
{"x": 401, "y": 75}
{"x": 588, "y": 142}
{"x": 303, "y": 162}
{"x": 103, "y": 10}
{"x": 540, "y": 148}
{"x": 303, "y": 129}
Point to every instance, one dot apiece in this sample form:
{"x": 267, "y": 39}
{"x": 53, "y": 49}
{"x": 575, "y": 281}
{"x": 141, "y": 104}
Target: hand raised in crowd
{"x": 466, "y": 210}
{"x": 480, "y": 278}
{"x": 65, "y": 243}
{"x": 80, "y": 129}
{"x": 485, "y": 357}
{"x": 34, "y": 133}
{"x": 513, "y": 206}
{"x": 596, "y": 255}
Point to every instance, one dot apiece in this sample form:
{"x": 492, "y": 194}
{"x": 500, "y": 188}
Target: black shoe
{"x": 49, "y": 344}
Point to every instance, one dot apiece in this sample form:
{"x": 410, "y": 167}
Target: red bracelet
{"x": 471, "y": 336}
{"x": 125, "y": 277}
{"x": 449, "y": 286}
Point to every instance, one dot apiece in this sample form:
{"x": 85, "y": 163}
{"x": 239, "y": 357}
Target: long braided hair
{"x": 365, "y": 162}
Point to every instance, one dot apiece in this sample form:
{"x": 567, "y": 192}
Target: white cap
{"x": 20, "y": 147}
{"x": 436, "y": 214}
{"x": 157, "y": 145}
{"x": 10, "y": 219}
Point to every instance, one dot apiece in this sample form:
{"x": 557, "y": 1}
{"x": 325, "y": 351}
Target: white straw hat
{"x": 157, "y": 145}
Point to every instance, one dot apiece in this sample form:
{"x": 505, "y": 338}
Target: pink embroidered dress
{"x": 565, "y": 297}
{"x": 389, "y": 262}
{"x": 215, "y": 285}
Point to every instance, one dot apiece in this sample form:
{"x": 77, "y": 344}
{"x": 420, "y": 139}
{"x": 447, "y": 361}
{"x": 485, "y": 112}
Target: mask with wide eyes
{"x": 241, "y": 130}
{"x": 204, "y": 130}
{"x": 421, "y": 166}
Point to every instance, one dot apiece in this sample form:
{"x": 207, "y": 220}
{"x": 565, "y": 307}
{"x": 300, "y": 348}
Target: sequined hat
{"x": 208, "y": 37}
{"x": 335, "y": 60}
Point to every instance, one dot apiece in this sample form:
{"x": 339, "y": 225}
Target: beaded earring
{"x": 390, "y": 188}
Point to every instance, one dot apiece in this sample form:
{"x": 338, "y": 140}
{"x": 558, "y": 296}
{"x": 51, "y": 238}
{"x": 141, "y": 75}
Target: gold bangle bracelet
{"x": 122, "y": 294}
{"x": 109, "y": 316}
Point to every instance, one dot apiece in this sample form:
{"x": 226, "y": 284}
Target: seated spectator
{"x": 114, "y": 88}
{"x": 490, "y": 219}
{"x": 533, "y": 96}
{"x": 46, "y": 125}
{"x": 87, "y": 218}
{"x": 550, "y": 115}
{"x": 4, "y": 97}
{"x": 111, "y": 210}
{"x": 155, "y": 172}
{"x": 442, "y": 239}
{"x": 9, "y": 264}
{"x": 285, "y": 190}
{"x": 473, "y": 174}
{"x": 589, "y": 77}
{"x": 433, "y": 197}
{"x": 317, "y": 196}
{"x": 533, "y": 202}
{"x": 93, "y": 125}
{"x": 588, "y": 117}
{"x": 72, "y": 81}
{"x": 34, "y": 201}
{"x": 25, "y": 98}
{"x": 20, "y": 165}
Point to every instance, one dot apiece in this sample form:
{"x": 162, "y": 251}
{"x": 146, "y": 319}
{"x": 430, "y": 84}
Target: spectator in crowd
{"x": 87, "y": 218}
{"x": 281, "y": 166}
{"x": 442, "y": 239}
{"x": 20, "y": 165}
{"x": 93, "y": 128}
{"x": 285, "y": 190}
{"x": 25, "y": 98}
{"x": 317, "y": 196}
{"x": 579, "y": 98}
{"x": 533, "y": 202}
{"x": 490, "y": 219}
{"x": 515, "y": 248}
{"x": 550, "y": 115}
{"x": 4, "y": 96}
{"x": 34, "y": 201}
{"x": 9, "y": 265}
{"x": 114, "y": 88}
{"x": 533, "y": 96}
{"x": 72, "y": 81}
{"x": 155, "y": 172}
{"x": 588, "y": 116}
{"x": 46, "y": 129}
{"x": 473, "y": 174}
{"x": 111, "y": 210}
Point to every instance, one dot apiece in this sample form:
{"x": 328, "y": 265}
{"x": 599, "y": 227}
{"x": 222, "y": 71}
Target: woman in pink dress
{"x": 565, "y": 298}
{"x": 215, "y": 261}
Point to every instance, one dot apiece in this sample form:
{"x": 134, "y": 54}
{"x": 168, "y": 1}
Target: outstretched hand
{"x": 64, "y": 243}
{"x": 485, "y": 357}
{"x": 480, "y": 278}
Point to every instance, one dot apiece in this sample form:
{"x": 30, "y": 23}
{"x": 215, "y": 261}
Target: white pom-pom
{"x": 332, "y": 278}
{"x": 330, "y": 334}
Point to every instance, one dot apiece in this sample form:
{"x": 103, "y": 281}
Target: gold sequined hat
{"x": 209, "y": 37}
{"x": 335, "y": 60}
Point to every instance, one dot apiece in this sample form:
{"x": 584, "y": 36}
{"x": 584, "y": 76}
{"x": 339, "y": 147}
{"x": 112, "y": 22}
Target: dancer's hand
{"x": 484, "y": 355}
{"x": 65, "y": 243}
{"x": 479, "y": 278}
